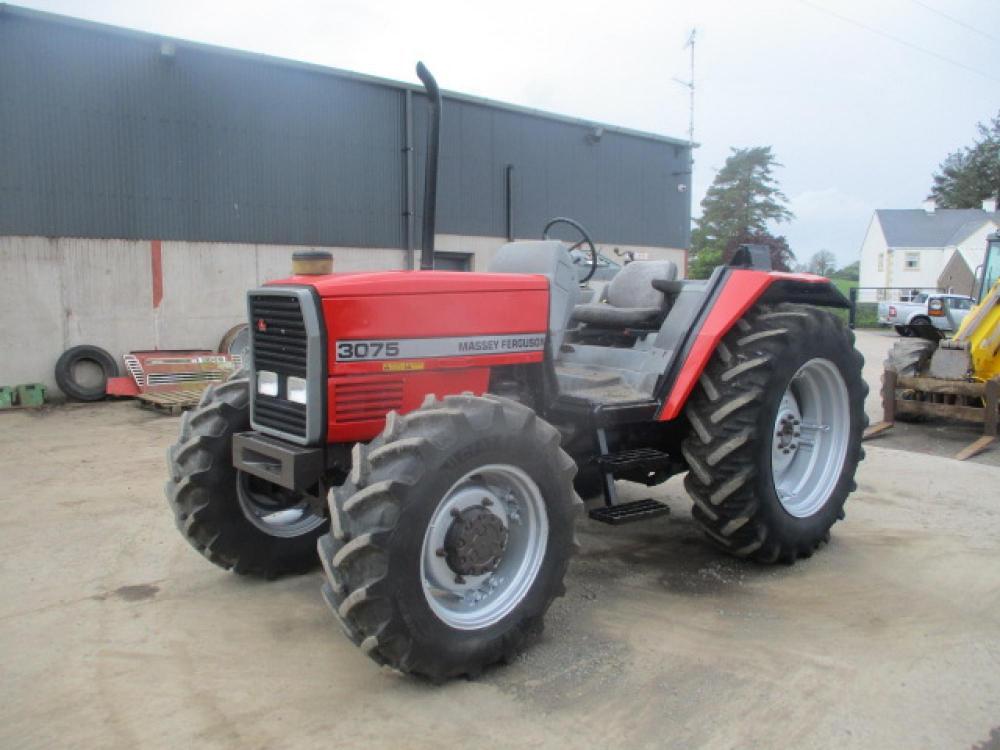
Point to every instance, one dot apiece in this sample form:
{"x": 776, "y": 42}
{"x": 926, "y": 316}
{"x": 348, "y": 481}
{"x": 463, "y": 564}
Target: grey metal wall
{"x": 102, "y": 135}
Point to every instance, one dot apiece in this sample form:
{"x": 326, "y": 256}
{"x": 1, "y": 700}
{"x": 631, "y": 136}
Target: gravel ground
{"x": 114, "y": 633}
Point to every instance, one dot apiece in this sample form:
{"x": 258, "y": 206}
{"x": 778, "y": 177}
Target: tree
{"x": 970, "y": 175}
{"x": 822, "y": 263}
{"x": 743, "y": 198}
{"x": 851, "y": 272}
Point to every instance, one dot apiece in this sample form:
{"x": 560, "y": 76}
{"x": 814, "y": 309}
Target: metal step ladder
{"x": 626, "y": 462}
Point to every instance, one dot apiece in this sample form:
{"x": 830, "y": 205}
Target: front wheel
{"x": 237, "y": 521}
{"x": 776, "y": 426}
{"x": 451, "y": 537}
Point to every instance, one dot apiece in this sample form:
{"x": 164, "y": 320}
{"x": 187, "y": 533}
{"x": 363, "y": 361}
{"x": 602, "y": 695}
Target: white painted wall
{"x": 871, "y": 247}
{"x": 894, "y": 272}
{"x": 57, "y": 293}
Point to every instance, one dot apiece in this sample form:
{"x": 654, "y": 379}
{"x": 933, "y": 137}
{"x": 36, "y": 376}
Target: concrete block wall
{"x": 124, "y": 295}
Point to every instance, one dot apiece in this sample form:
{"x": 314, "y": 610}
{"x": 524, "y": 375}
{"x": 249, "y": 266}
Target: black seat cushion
{"x": 602, "y": 314}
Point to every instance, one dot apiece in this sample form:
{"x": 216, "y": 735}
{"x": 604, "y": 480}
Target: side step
{"x": 639, "y": 510}
{"x": 644, "y": 459}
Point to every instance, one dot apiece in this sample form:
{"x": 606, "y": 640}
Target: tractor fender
{"x": 738, "y": 291}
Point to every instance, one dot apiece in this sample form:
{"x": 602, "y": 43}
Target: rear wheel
{"x": 776, "y": 422}
{"x": 451, "y": 537}
{"x": 235, "y": 520}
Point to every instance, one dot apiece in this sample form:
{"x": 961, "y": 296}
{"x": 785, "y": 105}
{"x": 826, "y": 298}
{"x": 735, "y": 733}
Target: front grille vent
{"x": 279, "y": 414}
{"x": 279, "y": 334}
{"x": 279, "y": 344}
{"x": 366, "y": 400}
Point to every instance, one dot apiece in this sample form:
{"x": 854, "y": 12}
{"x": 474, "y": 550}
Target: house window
{"x": 881, "y": 261}
{"x": 912, "y": 262}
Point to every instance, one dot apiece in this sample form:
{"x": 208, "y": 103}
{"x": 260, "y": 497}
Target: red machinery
{"x": 432, "y": 432}
{"x": 172, "y": 378}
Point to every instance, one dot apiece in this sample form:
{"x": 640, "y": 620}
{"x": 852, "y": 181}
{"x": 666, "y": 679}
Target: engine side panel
{"x": 447, "y": 330}
{"x": 392, "y": 338}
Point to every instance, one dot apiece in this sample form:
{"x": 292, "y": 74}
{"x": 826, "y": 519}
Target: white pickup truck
{"x": 925, "y": 309}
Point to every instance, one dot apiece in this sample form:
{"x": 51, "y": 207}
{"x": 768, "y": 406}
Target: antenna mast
{"x": 689, "y": 85}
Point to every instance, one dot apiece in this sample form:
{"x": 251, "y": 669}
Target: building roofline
{"x": 16, "y": 11}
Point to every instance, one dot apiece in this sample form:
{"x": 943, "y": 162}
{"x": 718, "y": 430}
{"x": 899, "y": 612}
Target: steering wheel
{"x": 585, "y": 238}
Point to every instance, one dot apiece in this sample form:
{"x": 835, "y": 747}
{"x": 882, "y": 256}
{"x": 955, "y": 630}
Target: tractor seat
{"x": 630, "y": 299}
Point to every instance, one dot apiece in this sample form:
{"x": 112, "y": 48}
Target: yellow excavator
{"x": 958, "y": 377}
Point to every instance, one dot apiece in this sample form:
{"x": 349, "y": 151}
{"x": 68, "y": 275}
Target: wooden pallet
{"x": 172, "y": 402}
{"x": 951, "y": 399}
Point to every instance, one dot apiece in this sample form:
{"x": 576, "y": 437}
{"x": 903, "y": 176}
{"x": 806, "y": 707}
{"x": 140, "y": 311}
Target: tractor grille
{"x": 366, "y": 400}
{"x": 279, "y": 334}
{"x": 279, "y": 344}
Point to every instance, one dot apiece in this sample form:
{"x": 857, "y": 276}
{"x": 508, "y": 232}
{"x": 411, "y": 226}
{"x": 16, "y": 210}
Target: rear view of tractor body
{"x": 432, "y": 433}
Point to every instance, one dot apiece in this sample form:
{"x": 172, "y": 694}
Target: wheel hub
{"x": 483, "y": 546}
{"x": 475, "y": 542}
{"x": 810, "y": 438}
{"x": 787, "y": 431}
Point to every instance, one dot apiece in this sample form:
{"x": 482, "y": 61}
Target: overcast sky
{"x": 859, "y": 120}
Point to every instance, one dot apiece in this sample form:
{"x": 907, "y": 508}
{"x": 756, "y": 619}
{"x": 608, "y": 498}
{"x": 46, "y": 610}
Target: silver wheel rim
{"x": 810, "y": 438}
{"x": 274, "y": 510}
{"x": 473, "y": 602}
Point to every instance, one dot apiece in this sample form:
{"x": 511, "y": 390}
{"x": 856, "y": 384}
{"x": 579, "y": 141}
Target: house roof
{"x": 917, "y": 228}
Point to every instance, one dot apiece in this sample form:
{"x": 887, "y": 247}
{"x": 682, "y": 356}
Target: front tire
{"x": 451, "y": 537}
{"x": 236, "y": 521}
{"x": 777, "y": 420}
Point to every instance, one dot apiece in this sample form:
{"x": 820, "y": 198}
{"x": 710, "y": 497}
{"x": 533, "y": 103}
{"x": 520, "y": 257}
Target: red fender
{"x": 740, "y": 291}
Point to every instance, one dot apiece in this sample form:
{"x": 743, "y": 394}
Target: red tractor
{"x": 432, "y": 432}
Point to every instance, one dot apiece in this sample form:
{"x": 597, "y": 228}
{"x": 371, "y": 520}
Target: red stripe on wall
{"x": 156, "y": 264}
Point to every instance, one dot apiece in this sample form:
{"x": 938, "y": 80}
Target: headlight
{"x": 296, "y": 388}
{"x": 267, "y": 383}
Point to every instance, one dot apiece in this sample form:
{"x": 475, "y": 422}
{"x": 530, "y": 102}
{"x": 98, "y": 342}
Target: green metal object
{"x": 30, "y": 394}
{"x": 6, "y": 397}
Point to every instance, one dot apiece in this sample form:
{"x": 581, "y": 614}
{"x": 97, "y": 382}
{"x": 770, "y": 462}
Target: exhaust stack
{"x": 431, "y": 167}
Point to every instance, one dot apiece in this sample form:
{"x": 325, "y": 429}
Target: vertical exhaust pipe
{"x": 431, "y": 166}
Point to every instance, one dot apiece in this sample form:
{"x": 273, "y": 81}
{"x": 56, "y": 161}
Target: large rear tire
{"x": 451, "y": 537}
{"x": 776, "y": 422}
{"x": 236, "y": 521}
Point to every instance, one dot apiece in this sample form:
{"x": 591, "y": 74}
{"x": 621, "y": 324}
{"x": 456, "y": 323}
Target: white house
{"x": 910, "y": 249}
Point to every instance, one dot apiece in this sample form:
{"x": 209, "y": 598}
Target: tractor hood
{"x": 382, "y": 283}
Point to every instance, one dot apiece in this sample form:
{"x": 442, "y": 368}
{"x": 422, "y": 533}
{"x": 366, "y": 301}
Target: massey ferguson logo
{"x": 261, "y": 325}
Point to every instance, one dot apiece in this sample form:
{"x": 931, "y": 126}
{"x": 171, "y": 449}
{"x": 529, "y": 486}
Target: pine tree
{"x": 743, "y": 198}
{"x": 971, "y": 175}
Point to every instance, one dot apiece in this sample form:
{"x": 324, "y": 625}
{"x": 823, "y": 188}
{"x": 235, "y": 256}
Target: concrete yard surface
{"x": 114, "y": 633}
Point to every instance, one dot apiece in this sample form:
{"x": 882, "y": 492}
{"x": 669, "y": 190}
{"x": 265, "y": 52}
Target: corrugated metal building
{"x": 206, "y": 167}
